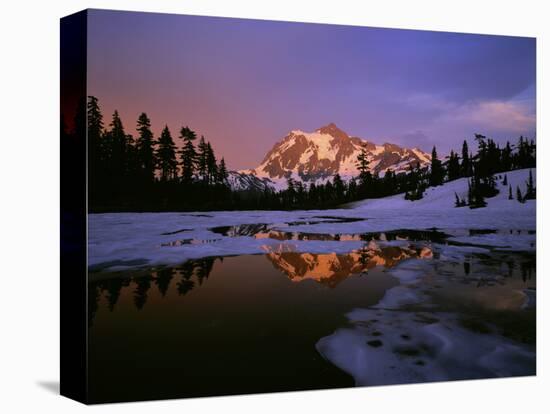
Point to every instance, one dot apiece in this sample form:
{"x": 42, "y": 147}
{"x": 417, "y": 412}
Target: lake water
{"x": 405, "y": 306}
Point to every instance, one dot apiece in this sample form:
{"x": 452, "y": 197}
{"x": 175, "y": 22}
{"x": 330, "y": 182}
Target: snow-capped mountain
{"x": 240, "y": 181}
{"x": 317, "y": 156}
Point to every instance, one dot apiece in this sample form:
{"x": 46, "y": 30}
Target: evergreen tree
{"x": 133, "y": 166}
{"x": 300, "y": 193}
{"x": 510, "y": 196}
{"x": 465, "y": 167}
{"x": 96, "y": 156}
{"x": 476, "y": 198}
{"x": 526, "y": 153}
{"x": 202, "y": 162}
{"x": 389, "y": 183}
{"x": 211, "y": 164}
{"x": 453, "y": 166}
{"x": 116, "y": 150}
{"x": 166, "y": 156}
{"x": 530, "y": 193}
{"x": 188, "y": 154}
{"x": 436, "y": 171}
{"x": 328, "y": 192}
{"x": 505, "y": 181}
{"x": 365, "y": 177}
{"x": 532, "y": 150}
{"x": 506, "y": 158}
{"x": 488, "y": 157}
{"x": 493, "y": 163}
{"x": 145, "y": 150}
{"x": 290, "y": 193}
{"x": 352, "y": 190}
{"x": 313, "y": 194}
{"x": 339, "y": 188}
{"x": 222, "y": 172}
{"x": 95, "y": 131}
{"x": 521, "y": 156}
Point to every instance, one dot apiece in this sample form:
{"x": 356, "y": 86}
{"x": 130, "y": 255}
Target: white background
{"x": 29, "y": 203}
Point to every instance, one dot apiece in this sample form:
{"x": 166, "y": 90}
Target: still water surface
{"x": 250, "y": 323}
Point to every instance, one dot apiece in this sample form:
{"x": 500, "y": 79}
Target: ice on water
{"x": 401, "y": 340}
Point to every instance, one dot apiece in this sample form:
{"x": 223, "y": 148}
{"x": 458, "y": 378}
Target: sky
{"x": 244, "y": 84}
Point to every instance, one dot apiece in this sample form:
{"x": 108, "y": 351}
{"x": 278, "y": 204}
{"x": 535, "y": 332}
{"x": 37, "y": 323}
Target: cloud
{"x": 509, "y": 116}
{"x": 444, "y": 123}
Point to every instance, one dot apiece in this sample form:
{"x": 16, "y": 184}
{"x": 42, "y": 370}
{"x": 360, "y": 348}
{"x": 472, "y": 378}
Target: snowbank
{"x": 443, "y": 196}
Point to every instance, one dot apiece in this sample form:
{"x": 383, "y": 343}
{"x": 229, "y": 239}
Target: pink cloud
{"x": 513, "y": 116}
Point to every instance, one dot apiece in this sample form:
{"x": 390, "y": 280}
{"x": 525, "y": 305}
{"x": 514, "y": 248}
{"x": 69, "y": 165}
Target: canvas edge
{"x": 73, "y": 211}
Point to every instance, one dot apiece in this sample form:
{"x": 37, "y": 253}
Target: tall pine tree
{"x": 202, "y": 163}
{"x": 95, "y": 131}
{"x": 365, "y": 177}
{"x": 453, "y": 167}
{"x": 116, "y": 150}
{"x": 166, "y": 156}
{"x": 211, "y": 165}
{"x": 145, "y": 149}
{"x": 466, "y": 166}
{"x": 96, "y": 156}
{"x": 339, "y": 188}
{"x": 436, "y": 171}
{"x": 530, "y": 193}
{"x": 222, "y": 172}
{"x": 188, "y": 154}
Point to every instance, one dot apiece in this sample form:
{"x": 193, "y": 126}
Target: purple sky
{"x": 244, "y": 84}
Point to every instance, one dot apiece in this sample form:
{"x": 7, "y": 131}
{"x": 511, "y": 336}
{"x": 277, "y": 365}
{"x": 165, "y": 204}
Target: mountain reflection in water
{"x": 330, "y": 268}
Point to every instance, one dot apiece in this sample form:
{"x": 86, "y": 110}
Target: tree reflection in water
{"x": 187, "y": 275}
{"x": 328, "y": 269}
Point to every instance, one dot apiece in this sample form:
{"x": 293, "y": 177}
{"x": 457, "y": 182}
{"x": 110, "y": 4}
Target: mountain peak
{"x": 333, "y": 130}
{"x": 318, "y": 155}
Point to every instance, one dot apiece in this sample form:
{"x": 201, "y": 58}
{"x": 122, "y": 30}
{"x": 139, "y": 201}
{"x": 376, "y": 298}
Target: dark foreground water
{"x": 251, "y": 323}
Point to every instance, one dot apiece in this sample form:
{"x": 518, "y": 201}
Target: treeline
{"x": 480, "y": 167}
{"x": 490, "y": 160}
{"x": 145, "y": 173}
{"x": 148, "y": 173}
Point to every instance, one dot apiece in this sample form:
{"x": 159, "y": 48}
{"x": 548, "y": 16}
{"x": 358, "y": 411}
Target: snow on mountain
{"x": 317, "y": 156}
{"x": 240, "y": 181}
